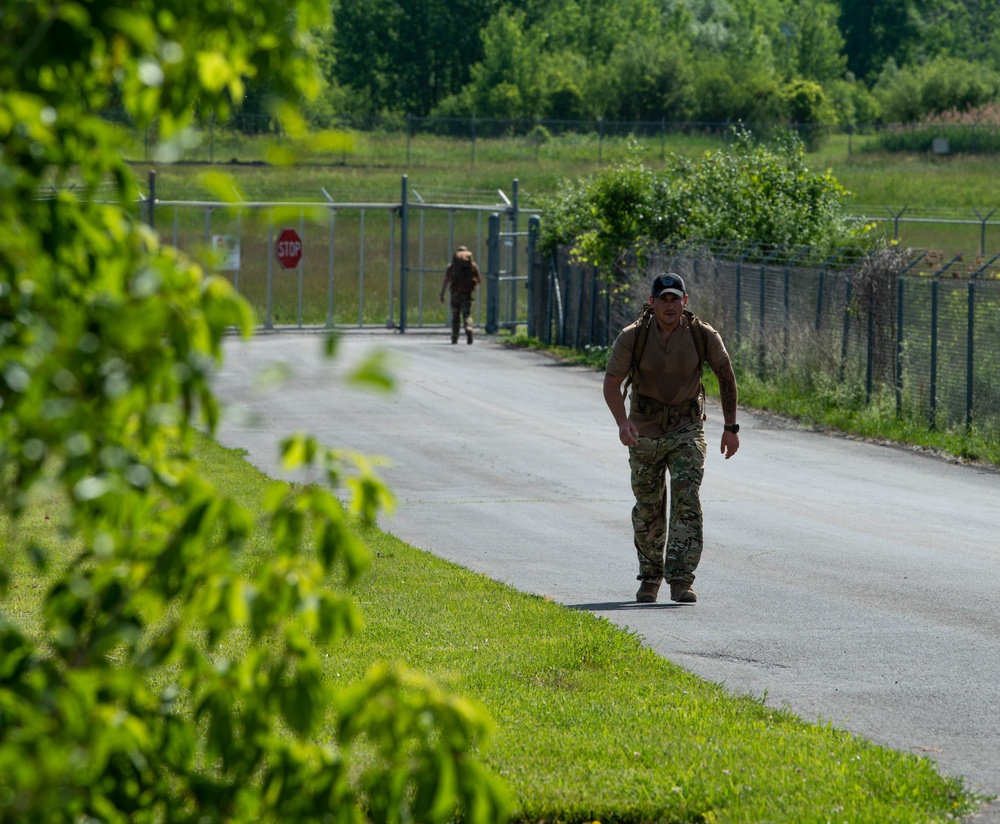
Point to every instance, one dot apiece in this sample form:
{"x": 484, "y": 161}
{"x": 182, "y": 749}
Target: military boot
{"x": 647, "y": 592}
{"x": 681, "y": 592}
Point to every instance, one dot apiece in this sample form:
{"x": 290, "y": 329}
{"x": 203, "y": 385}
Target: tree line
{"x": 802, "y": 61}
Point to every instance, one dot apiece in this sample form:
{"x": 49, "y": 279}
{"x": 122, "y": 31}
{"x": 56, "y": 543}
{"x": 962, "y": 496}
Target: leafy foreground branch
{"x": 153, "y": 678}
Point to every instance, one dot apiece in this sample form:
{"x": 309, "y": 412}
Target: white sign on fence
{"x": 226, "y": 252}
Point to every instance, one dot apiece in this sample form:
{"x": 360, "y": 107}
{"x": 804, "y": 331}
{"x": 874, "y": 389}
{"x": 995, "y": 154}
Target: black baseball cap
{"x": 668, "y": 282}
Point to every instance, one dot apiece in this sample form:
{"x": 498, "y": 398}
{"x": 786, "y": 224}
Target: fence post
{"x": 970, "y": 348}
{"x": 408, "y": 133}
{"x": 361, "y": 269}
{"x": 329, "y": 284}
{"x": 788, "y": 304}
{"x": 301, "y": 267}
{"x": 151, "y": 203}
{"x": 900, "y": 292}
{"x": 895, "y": 220}
{"x": 822, "y": 286}
{"x": 392, "y": 266}
{"x": 934, "y": 335}
{"x": 607, "y": 314}
{"x": 404, "y": 240}
{"x": 762, "y": 309}
{"x": 846, "y": 333}
{"x": 551, "y": 283}
{"x": 270, "y": 268}
{"x": 969, "y": 371}
{"x": 512, "y": 245}
{"x": 739, "y": 298}
{"x": 870, "y": 365}
{"x": 934, "y": 342}
{"x": 534, "y": 228}
{"x": 239, "y": 240}
{"x": 493, "y": 275}
{"x": 982, "y": 230}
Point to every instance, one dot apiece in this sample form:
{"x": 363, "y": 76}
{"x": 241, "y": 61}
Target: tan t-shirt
{"x": 668, "y": 371}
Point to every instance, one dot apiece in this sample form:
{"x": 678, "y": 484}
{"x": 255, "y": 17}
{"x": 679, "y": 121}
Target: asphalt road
{"x": 850, "y": 582}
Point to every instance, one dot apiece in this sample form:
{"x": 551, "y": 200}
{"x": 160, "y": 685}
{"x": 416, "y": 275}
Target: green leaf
{"x": 374, "y": 372}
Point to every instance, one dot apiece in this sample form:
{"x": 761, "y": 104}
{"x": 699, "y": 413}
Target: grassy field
{"x": 590, "y": 725}
{"x": 919, "y": 187}
{"x": 442, "y": 166}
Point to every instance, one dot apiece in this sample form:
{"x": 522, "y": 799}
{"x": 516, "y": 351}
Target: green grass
{"x": 589, "y": 723}
{"x": 828, "y": 409}
{"x": 445, "y": 167}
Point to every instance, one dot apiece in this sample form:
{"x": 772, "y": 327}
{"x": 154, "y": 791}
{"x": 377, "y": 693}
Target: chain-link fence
{"x": 355, "y": 264}
{"x": 903, "y": 330}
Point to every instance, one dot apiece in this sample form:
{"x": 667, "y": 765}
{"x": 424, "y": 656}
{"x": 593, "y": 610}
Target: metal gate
{"x": 362, "y": 265}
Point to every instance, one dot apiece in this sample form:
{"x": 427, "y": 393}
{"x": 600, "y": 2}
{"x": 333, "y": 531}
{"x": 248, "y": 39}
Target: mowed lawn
{"x": 589, "y": 723}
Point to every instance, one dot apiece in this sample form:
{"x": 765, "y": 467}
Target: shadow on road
{"x": 621, "y": 605}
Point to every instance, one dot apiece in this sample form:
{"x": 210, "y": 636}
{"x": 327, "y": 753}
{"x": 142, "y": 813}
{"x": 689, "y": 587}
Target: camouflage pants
{"x": 461, "y": 312}
{"x": 681, "y": 454}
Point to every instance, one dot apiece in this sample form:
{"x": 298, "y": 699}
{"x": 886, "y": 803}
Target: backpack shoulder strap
{"x": 700, "y": 337}
{"x": 639, "y": 345}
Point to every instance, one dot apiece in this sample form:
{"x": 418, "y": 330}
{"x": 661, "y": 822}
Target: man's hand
{"x": 730, "y": 443}
{"x": 628, "y": 434}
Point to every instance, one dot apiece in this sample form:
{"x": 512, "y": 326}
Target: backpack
{"x": 646, "y": 320}
{"x": 462, "y": 277}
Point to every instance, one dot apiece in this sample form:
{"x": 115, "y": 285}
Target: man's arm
{"x": 445, "y": 282}
{"x": 727, "y": 398}
{"x": 627, "y": 433}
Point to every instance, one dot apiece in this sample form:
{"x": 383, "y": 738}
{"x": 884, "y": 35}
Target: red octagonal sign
{"x": 288, "y": 249}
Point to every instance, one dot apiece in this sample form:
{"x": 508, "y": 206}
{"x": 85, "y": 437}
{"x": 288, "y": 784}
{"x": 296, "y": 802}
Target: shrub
{"x": 910, "y": 93}
{"x": 749, "y": 192}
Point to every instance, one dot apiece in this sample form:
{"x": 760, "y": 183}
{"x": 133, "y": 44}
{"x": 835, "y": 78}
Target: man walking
{"x": 462, "y": 275}
{"x": 661, "y": 355}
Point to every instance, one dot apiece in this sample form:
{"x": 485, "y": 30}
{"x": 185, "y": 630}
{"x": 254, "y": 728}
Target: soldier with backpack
{"x": 462, "y": 275}
{"x": 662, "y": 355}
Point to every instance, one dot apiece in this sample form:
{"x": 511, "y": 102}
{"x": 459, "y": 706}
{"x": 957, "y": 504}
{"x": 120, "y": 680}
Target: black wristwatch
{"x": 735, "y": 427}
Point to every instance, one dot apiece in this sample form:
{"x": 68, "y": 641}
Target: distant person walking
{"x": 662, "y": 355}
{"x": 462, "y": 276}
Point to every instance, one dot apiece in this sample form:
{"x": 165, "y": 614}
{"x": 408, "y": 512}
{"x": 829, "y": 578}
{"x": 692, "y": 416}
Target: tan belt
{"x": 673, "y": 414}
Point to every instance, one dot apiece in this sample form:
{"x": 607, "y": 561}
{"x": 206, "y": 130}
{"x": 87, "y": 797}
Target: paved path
{"x": 850, "y": 582}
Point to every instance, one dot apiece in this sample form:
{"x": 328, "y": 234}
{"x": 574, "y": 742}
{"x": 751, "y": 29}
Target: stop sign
{"x": 288, "y": 249}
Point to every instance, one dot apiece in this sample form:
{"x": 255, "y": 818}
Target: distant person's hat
{"x": 668, "y": 282}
